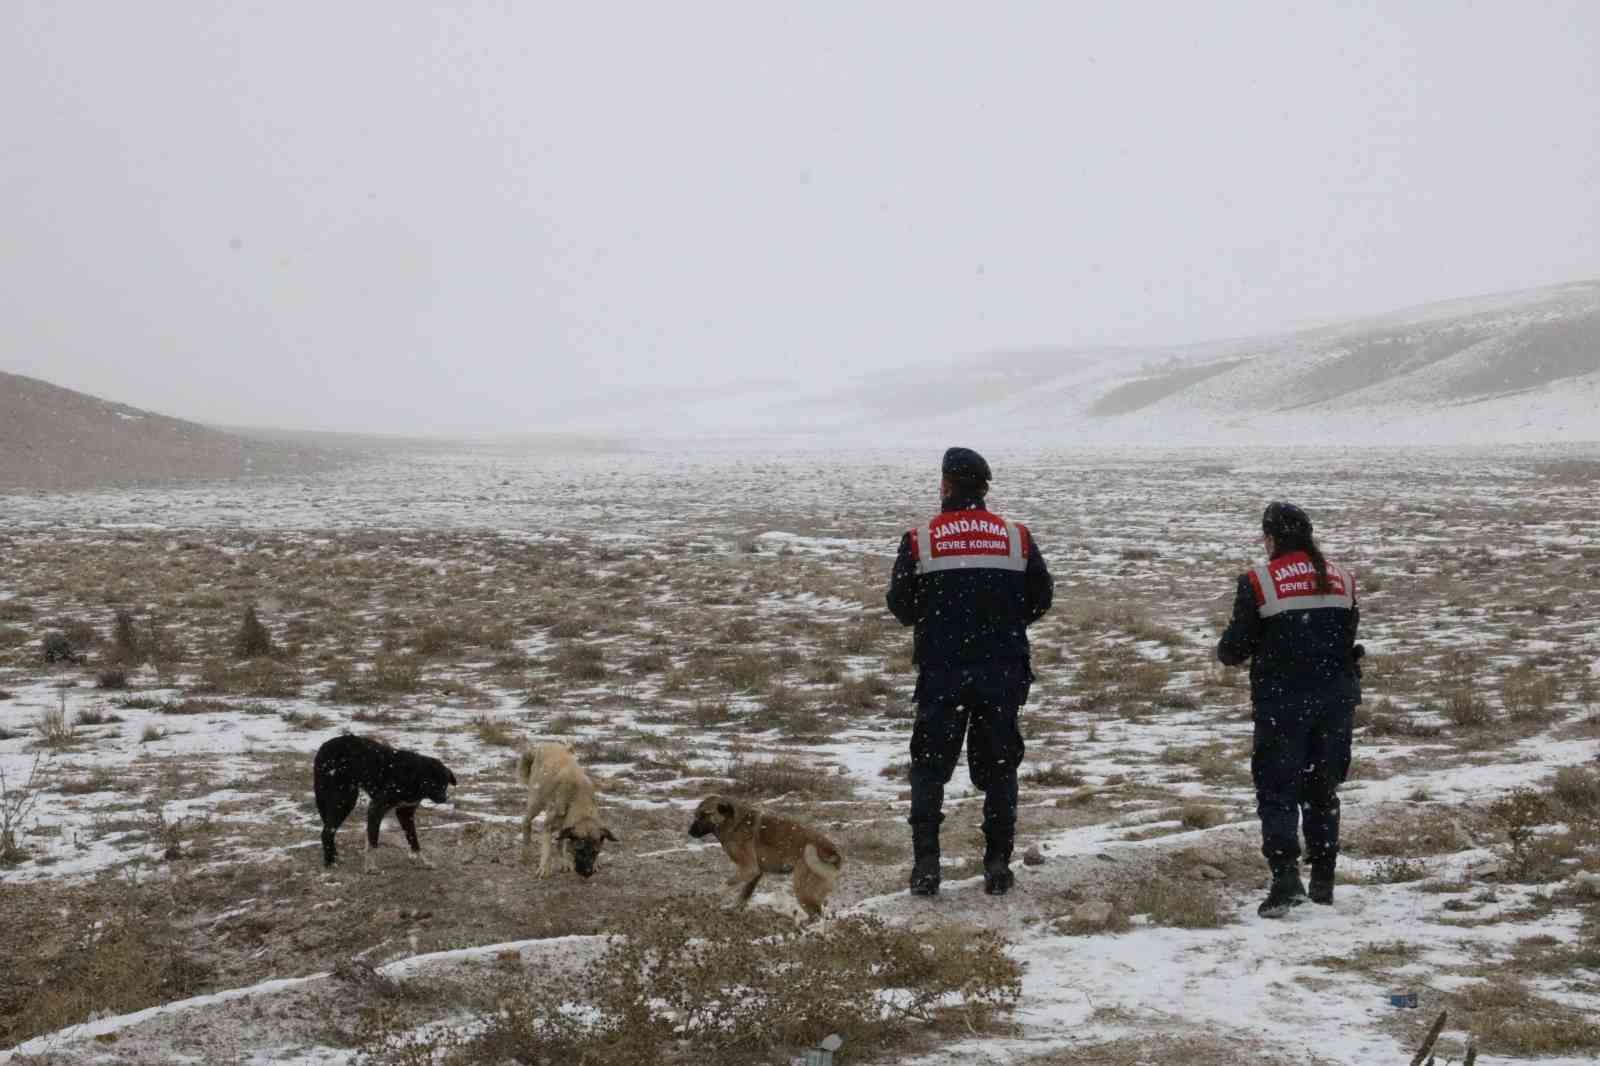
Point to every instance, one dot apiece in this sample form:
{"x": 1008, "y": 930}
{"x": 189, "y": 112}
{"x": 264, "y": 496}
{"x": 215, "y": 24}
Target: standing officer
{"x": 1295, "y": 619}
{"x": 971, "y": 583}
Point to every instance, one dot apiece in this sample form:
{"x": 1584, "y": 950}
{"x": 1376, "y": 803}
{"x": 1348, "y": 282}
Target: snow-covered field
{"x": 711, "y": 618}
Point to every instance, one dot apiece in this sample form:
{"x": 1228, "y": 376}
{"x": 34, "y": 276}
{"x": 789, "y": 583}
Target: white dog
{"x": 558, "y": 786}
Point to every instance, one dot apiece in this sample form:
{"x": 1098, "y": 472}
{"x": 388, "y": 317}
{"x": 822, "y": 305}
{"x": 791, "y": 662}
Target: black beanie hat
{"x": 964, "y": 464}
{"x": 1285, "y": 520}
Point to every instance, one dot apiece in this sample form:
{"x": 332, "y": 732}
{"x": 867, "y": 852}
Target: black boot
{"x": 1286, "y": 893}
{"x": 925, "y": 859}
{"x": 1322, "y": 883}
{"x": 997, "y": 875}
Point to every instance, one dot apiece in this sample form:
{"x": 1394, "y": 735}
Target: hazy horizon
{"x": 471, "y": 220}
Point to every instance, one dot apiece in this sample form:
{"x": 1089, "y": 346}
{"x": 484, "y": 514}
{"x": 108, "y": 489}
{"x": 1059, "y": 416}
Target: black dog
{"x": 393, "y": 779}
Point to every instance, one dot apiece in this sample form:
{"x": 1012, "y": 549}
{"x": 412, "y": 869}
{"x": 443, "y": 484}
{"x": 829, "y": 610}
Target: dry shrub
{"x": 1201, "y": 815}
{"x": 746, "y": 673}
{"x": 580, "y": 662}
{"x": 1466, "y": 709}
{"x": 862, "y": 693}
{"x": 391, "y": 675}
{"x": 1184, "y": 904}
{"x": 1510, "y": 1019}
{"x": 261, "y": 677}
{"x": 495, "y": 731}
{"x": 1397, "y": 870}
{"x": 1527, "y": 692}
{"x": 55, "y": 727}
{"x": 1406, "y": 829}
{"x": 112, "y": 677}
{"x": 1577, "y": 790}
{"x": 306, "y": 721}
{"x": 435, "y": 640}
{"x": 126, "y": 646}
{"x": 781, "y": 776}
{"x": 682, "y": 984}
{"x": 1054, "y": 775}
{"x": 123, "y": 964}
{"x": 12, "y": 637}
{"x": 1387, "y": 720}
{"x": 253, "y": 639}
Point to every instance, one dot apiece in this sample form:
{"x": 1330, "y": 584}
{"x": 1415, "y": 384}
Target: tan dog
{"x": 558, "y": 786}
{"x": 761, "y": 843}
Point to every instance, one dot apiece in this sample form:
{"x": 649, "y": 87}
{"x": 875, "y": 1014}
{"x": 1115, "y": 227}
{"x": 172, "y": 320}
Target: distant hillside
{"x": 57, "y": 440}
{"x": 1520, "y": 367}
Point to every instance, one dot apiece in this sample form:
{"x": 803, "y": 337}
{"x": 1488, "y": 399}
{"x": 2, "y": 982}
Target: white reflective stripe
{"x": 924, "y": 549}
{"x": 970, "y": 562}
{"x": 1015, "y": 540}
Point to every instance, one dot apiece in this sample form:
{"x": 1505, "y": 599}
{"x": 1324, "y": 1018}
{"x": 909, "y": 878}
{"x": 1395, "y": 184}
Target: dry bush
{"x": 1201, "y": 815}
{"x": 650, "y": 662}
{"x": 112, "y": 677}
{"x": 1466, "y": 709}
{"x": 12, "y": 637}
{"x": 1397, "y": 870}
{"x": 57, "y": 648}
{"x": 1576, "y": 789}
{"x": 1519, "y": 813}
{"x": 253, "y": 639}
{"x": 1527, "y": 692}
{"x": 17, "y": 799}
{"x": 436, "y": 639}
{"x": 123, "y": 962}
{"x": 390, "y": 675}
{"x": 306, "y": 721}
{"x": 1404, "y": 830}
{"x": 96, "y": 716}
{"x": 1387, "y": 720}
{"x": 577, "y": 661}
{"x": 1053, "y": 775}
{"x": 55, "y": 727}
{"x": 707, "y": 713}
{"x": 1510, "y": 1019}
{"x": 745, "y": 673}
{"x": 1184, "y": 904}
{"x": 782, "y": 776}
{"x": 14, "y": 610}
{"x": 495, "y": 731}
{"x": 862, "y": 693}
{"x": 126, "y": 646}
{"x": 262, "y": 677}
{"x": 681, "y": 984}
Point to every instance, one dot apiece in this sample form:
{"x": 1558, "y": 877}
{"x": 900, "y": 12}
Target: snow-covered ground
{"x": 733, "y": 597}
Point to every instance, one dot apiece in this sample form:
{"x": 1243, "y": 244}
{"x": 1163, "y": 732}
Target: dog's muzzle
{"x": 700, "y": 827}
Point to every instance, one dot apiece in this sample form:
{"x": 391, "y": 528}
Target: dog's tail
{"x": 525, "y": 765}
{"x": 826, "y": 868}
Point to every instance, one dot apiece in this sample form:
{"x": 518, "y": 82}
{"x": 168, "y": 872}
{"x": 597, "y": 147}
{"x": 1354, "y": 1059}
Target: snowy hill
{"x": 1515, "y": 367}
{"x": 54, "y": 439}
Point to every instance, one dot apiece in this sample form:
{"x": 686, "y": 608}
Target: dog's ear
{"x": 725, "y": 808}
{"x": 565, "y": 834}
{"x": 451, "y": 776}
{"x": 607, "y": 834}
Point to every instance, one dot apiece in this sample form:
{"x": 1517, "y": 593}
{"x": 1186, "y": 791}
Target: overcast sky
{"x": 452, "y": 216}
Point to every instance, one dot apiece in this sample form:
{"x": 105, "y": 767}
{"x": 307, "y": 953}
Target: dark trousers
{"x": 978, "y": 706}
{"x": 1301, "y": 757}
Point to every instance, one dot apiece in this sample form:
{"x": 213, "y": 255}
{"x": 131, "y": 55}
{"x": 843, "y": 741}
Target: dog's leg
{"x": 376, "y": 809}
{"x": 335, "y": 801}
{"x": 407, "y": 817}
{"x": 545, "y": 839}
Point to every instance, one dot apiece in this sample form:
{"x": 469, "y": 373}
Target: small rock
{"x": 1033, "y": 857}
{"x": 1094, "y": 914}
{"x": 1209, "y": 873}
{"x": 1103, "y": 857}
{"x": 1459, "y": 905}
{"x": 509, "y": 955}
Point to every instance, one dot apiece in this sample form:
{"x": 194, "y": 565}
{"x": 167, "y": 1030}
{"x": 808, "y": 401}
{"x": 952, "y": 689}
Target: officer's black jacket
{"x": 969, "y": 617}
{"x": 1297, "y": 657}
